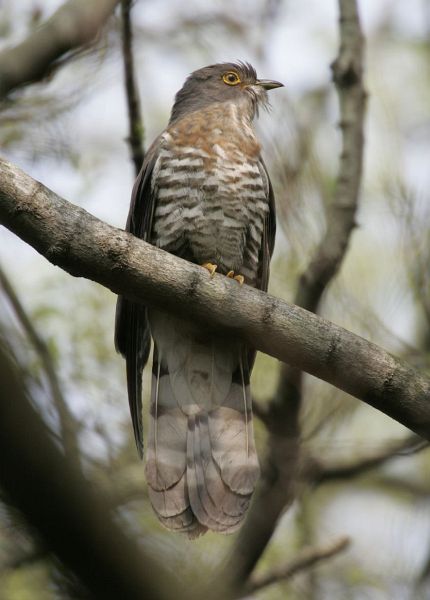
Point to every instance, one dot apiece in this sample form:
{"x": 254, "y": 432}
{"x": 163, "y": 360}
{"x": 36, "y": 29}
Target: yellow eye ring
{"x": 231, "y": 78}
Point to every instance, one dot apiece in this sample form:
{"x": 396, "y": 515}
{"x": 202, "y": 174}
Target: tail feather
{"x": 239, "y": 467}
{"x": 231, "y": 504}
{"x": 201, "y": 464}
{"x": 195, "y": 490}
{"x": 166, "y": 455}
{"x": 172, "y": 501}
{"x": 214, "y": 494}
{"x": 183, "y": 522}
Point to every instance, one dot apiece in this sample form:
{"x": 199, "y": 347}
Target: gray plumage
{"x": 203, "y": 193}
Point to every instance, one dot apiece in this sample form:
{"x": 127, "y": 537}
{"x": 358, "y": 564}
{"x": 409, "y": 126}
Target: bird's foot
{"x": 210, "y": 267}
{"x": 239, "y": 278}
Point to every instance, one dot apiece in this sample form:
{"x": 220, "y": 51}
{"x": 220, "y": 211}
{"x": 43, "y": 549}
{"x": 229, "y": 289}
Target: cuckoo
{"x": 203, "y": 193}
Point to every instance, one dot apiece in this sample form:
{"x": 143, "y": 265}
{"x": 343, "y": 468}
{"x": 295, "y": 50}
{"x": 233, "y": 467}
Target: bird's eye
{"x": 231, "y": 78}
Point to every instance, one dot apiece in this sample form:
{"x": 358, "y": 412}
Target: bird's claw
{"x": 210, "y": 267}
{"x": 239, "y": 278}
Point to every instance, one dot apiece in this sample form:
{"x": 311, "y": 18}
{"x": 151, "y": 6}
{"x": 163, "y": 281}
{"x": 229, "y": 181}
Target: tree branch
{"x": 348, "y": 79}
{"x": 316, "y": 473}
{"x": 74, "y": 24}
{"x": 67, "y": 421}
{"x": 277, "y": 488}
{"x": 307, "y": 559}
{"x": 71, "y": 519}
{"x": 136, "y": 129}
{"x": 282, "y": 413}
{"x": 84, "y": 246}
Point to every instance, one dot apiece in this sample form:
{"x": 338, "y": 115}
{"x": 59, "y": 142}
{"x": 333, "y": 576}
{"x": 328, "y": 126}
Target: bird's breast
{"x": 211, "y": 199}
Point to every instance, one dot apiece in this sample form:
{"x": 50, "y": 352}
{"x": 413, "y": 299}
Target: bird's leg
{"x": 210, "y": 267}
{"x": 239, "y": 278}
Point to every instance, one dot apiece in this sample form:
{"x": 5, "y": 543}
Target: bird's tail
{"x": 201, "y": 463}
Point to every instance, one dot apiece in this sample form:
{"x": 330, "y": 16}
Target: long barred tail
{"x": 201, "y": 464}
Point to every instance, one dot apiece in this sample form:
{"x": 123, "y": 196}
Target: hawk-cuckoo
{"x": 204, "y": 194}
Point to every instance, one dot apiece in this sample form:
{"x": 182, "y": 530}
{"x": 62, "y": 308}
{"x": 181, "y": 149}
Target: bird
{"x": 203, "y": 194}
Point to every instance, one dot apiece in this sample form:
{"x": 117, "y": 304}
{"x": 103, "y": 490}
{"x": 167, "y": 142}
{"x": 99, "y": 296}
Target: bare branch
{"x": 72, "y": 520}
{"x": 67, "y": 421}
{"x": 348, "y": 79}
{"x": 74, "y": 24}
{"x": 306, "y": 560}
{"x": 277, "y": 487}
{"x": 282, "y": 415}
{"x": 84, "y": 246}
{"x": 317, "y": 473}
{"x": 136, "y": 129}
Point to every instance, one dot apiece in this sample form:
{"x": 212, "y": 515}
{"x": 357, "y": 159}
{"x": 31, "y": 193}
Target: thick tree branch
{"x": 136, "y": 130}
{"x": 282, "y": 413}
{"x": 74, "y": 24}
{"x": 307, "y": 559}
{"x": 71, "y": 238}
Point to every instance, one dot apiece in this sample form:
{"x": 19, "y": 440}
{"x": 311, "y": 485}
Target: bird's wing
{"x": 267, "y": 245}
{"x": 269, "y": 231}
{"x": 132, "y": 334}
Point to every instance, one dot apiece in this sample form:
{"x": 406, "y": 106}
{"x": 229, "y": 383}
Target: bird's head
{"x": 223, "y": 82}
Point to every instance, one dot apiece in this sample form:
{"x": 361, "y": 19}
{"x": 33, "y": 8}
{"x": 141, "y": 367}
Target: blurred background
{"x": 69, "y": 132}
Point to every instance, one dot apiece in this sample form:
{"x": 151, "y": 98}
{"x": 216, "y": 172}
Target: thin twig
{"x": 307, "y": 559}
{"x": 136, "y": 129}
{"x": 316, "y": 473}
{"x": 68, "y": 424}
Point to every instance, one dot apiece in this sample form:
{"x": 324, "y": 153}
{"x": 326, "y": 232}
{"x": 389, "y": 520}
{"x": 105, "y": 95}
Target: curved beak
{"x": 268, "y": 84}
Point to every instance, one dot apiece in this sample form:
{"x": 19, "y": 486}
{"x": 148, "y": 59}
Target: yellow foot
{"x": 238, "y": 278}
{"x": 210, "y": 267}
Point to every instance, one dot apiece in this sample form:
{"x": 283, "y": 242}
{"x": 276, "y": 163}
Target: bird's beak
{"x": 268, "y": 84}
